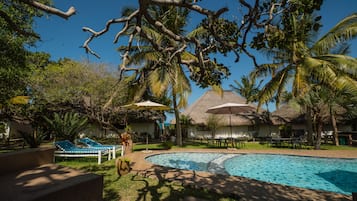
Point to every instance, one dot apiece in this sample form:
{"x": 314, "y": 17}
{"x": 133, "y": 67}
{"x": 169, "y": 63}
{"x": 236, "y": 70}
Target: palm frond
{"x": 236, "y": 88}
{"x": 345, "y": 83}
{"x": 159, "y": 80}
{"x": 153, "y": 34}
{"x": 271, "y": 87}
{"x": 321, "y": 70}
{"x": 342, "y": 63}
{"x": 345, "y": 30}
{"x": 265, "y": 70}
{"x": 302, "y": 77}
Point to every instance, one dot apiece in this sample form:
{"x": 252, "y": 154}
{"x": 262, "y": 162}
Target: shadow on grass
{"x": 214, "y": 187}
{"x": 168, "y": 190}
{"x": 106, "y": 169}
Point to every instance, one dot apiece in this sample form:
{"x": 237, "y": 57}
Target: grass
{"x": 136, "y": 187}
{"x": 341, "y": 147}
{"x": 248, "y": 145}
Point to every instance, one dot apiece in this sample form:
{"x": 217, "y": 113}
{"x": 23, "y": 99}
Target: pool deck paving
{"x": 240, "y": 188}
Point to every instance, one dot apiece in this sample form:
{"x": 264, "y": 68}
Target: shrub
{"x": 167, "y": 144}
{"x": 67, "y": 126}
{"x": 33, "y": 139}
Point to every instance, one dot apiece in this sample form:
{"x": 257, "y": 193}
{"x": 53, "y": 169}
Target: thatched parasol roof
{"x": 197, "y": 111}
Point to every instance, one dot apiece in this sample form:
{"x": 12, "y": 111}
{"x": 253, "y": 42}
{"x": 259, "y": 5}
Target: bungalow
{"x": 247, "y": 125}
{"x": 292, "y": 118}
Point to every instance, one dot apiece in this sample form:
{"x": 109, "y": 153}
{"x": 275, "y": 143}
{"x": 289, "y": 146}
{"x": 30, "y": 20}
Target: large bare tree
{"x": 216, "y": 35}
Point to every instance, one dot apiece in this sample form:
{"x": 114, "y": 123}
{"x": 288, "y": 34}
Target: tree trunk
{"x": 334, "y": 126}
{"x": 310, "y": 137}
{"x": 178, "y": 124}
{"x": 123, "y": 166}
{"x": 318, "y": 133}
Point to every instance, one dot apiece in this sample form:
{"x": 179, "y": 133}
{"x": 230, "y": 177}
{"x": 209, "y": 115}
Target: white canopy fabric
{"x": 230, "y": 108}
{"x": 146, "y": 105}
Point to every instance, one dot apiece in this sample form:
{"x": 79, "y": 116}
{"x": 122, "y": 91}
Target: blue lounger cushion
{"x": 92, "y": 143}
{"x": 96, "y": 145}
{"x": 68, "y": 146}
{"x": 68, "y": 149}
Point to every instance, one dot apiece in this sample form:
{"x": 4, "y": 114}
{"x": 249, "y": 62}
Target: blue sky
{"x": 63, "y": 38}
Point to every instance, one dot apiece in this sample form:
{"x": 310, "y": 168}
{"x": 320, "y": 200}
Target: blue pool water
{"x": 186, "y": 161}
{"x": 335, "y": 175}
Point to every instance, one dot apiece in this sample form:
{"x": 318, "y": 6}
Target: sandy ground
{"x": 239, "y": 187}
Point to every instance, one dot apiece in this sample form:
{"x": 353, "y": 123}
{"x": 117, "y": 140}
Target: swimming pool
{"x": 329, "y": 174}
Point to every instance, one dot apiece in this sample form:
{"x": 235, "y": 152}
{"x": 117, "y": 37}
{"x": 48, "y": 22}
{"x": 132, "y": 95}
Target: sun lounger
{"x": 96, "y": 145}
{"x": 68, "y": 149}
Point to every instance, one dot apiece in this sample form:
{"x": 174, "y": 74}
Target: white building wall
{"x": 267, "y": 130}
{"x": 222, "y": 132}
{"x": 99, "y": 132}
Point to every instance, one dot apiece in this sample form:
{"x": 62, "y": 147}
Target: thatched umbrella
{"x": 230, "y": 108}
{"x": 147, "y": 105}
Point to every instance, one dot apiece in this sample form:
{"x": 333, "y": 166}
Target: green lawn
{"x": 248, "y": 145}
{"x": 135, "y": 187}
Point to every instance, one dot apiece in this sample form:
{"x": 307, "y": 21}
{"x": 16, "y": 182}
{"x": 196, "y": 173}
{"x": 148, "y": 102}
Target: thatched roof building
{"x": 197, "y": 111}
{"x": 293, "y": 113}
{"x": 288, "y": 113}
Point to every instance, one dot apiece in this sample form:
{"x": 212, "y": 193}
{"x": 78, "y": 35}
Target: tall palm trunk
{"x": 334, "y": 126}
{"x": 319, "y": 126}
{"x": 177, "y": 117}
{"x": 308, "y": 118}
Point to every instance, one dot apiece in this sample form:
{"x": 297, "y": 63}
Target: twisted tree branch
{"x": 48, "y": 9}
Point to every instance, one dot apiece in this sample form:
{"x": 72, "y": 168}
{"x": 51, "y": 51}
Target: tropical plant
{"x": 340, "y": 108}
{"x": 167, "y": 144}
{"x": 303, "y": 63}
{"x": 315, "y": 100}
{"x": 161, "y": 77}
{"x": 33, "y": 139}
{"x": 67, "y": 126}
{"x": 185, "y": 121}
{"x": 247, "y": 88}
{"x": 164, "y": 76}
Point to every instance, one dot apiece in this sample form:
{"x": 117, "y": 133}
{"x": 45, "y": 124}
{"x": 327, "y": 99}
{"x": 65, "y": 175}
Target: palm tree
{"x": 247, "y": 88}
{"x": 160, "y": 77}
{"x": 326, "y": 106}
{"x": 340, "y": 103}
{"x": 156, "y": 74}
{"x": 301, "y": 64}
